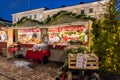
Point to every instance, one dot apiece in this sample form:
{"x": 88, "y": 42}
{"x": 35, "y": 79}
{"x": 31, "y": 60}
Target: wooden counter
{"x": 57, "y": 53}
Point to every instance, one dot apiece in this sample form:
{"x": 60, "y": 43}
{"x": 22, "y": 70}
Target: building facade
{"x": 94, "y": 9}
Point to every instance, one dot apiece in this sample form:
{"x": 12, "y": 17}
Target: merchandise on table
{"x": 39, "y": 47}
{"x": 29, "y": 35}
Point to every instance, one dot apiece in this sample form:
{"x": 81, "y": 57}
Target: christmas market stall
{"x": 26, "y": 42}
{"x": 63, "y": 35}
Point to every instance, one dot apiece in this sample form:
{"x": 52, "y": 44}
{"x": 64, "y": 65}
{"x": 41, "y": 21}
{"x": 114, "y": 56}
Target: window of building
{"x": 48, "y": 16}
{"x": 35, "y": 16}
{"x": 30, "y": 16}
{"x": 82, "y": 11}
{"x": 14, "y": 19}
{"x": 18, "y": 19}
{"x": 91, "y": 10}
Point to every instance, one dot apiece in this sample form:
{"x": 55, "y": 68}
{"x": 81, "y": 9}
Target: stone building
{"x": 94, "y": 9}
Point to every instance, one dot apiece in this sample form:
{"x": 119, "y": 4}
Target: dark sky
{"x": 8, "y": 7}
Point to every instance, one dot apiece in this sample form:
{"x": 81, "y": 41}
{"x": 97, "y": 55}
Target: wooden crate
{"x": 72, "y": 61}
{"x": 92, "y": 61}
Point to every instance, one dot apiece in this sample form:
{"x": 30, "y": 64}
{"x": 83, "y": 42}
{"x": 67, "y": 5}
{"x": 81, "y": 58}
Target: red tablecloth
{"x": 37, "y": 54}
{"x": 13, "y": 49}
{"x": 26, "y": 45}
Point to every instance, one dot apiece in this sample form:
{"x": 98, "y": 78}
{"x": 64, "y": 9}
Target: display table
{"x": 37, "y": 54}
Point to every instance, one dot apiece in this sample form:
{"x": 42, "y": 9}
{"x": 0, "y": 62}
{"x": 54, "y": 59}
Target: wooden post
{"x": 9, "y": 42}
{"x": 89, "y": 33}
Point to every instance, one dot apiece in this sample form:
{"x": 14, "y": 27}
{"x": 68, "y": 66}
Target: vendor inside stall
{"x": 35, "y": 38}
{"x": 3, "y": 36}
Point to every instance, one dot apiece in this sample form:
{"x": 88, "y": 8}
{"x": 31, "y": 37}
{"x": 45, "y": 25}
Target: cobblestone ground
{"x": 8, "y": 71}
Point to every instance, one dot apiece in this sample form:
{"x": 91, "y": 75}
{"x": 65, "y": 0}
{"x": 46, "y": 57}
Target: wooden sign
{"x": 81, "y": 61}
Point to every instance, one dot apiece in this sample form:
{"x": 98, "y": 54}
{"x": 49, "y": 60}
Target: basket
{"x": 91, "y": 63}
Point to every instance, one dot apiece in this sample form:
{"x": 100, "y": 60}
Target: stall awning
{"x": 50, "y": 26}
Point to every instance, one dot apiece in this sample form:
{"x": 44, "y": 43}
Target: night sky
{"x": 8, "y": 7}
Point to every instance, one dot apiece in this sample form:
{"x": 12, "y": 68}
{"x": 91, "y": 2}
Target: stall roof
{"x": 5, "y": 23}
{"x": 50, "y": 26}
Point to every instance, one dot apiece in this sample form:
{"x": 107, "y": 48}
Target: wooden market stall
{"x": 57, "y": 37}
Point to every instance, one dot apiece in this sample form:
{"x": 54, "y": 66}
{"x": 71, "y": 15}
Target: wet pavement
{"x": 9, "y": 71}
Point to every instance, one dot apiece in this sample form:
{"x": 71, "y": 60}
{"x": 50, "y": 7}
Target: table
{"x": 37, "y": 54}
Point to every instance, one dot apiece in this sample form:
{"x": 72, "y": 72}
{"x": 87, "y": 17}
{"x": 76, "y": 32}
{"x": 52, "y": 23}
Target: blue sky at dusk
{"x": 8, "y": 7}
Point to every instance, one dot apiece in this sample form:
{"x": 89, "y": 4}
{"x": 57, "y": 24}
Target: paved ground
{"x": 9, "y": 71}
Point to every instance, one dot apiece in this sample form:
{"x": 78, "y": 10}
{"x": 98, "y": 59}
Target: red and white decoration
{"x": 67, "y": 33}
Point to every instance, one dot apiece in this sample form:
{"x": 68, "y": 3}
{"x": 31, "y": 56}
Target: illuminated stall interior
{"x": 27, "y": 35}
{"x": 67, "y": 34}
{"x": 30, "y": 36}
